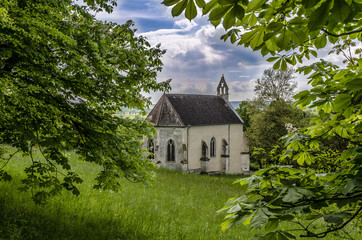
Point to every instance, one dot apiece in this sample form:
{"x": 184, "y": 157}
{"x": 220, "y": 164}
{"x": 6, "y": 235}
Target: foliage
{"x": 275, "y": 85}
{"x": 292, "y": 31}
{"x": 272, "y": 120}
{"x": 242, "y": 111}
{"x": 62, "y": 75}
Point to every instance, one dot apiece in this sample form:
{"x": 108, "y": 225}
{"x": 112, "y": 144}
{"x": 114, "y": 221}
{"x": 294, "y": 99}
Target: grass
{"x": 177, "y": 206}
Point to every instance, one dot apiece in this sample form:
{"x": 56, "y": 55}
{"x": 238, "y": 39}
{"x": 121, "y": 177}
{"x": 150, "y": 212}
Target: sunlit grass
{"x": 176, "y": 206}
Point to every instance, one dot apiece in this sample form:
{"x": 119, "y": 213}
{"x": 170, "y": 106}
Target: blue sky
{"x": 196, "y": 58}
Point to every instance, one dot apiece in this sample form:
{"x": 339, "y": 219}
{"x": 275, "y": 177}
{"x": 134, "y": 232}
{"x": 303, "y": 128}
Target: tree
{"x": 291, "y": 31}
{"x": 62, "y": 76}
{"x": 276, "y": 84}
{"x": 269, "y": 125}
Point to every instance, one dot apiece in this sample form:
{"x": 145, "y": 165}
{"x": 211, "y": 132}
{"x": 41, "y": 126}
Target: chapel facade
{"x": 199, "y": 133}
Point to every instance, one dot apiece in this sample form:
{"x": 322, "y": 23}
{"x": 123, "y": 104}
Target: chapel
{"x": 199, "y": 133}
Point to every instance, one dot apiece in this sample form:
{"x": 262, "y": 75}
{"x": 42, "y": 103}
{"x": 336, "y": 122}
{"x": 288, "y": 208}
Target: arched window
{"x": 170, "y": 151}
{"x": 212, "y": 147}
{"x": 204, "y": 149}
{"x": 151, "y": 149}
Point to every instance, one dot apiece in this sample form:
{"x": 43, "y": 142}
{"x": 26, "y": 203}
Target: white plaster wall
{"x": 233, "y": 134}
{"x": 192, "y": 137}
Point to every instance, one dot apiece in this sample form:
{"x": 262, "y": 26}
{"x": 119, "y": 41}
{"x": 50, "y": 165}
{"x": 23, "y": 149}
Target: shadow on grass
{"x": 25, "y": 220}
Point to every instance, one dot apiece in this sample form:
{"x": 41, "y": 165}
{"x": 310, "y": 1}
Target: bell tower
{"x": 223, "y": 89}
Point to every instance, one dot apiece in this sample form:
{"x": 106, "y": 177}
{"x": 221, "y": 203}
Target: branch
{"x": 323, "y": 234}
{"x": 11, "y": 155}
{"x": 342, "y": 34}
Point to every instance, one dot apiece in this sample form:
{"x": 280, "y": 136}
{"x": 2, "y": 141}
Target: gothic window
{"x": 204, "y": 149}
{"x": 212, "y": 147}
{"x": 225, "y": 148}
{"x": 170, "y": 150}
{"x": 151, "y": 149}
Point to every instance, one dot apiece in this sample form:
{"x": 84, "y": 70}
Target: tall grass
{"x": 177, "y": 206}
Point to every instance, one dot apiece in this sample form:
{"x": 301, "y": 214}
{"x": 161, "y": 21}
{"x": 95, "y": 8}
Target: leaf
{"x": 348, "y": 187}
{"x": 257, "y": 38}
{"x": 321, "y": 42}
{"x": 355, "y": 84}
{"x": 298, "y": 34}
{"x": 292, "y": 196}
{"x": 340, "y": 10}
{"x": 341, "y": 102}
{"x": 272, "y": 59}
{"x": 272, "y": 224}
{"x": 284, "y": 39}
{"x": 200, "y": 3}
{"x": 170, "y": 2}
{"x": 191, "y": 11}
{"x": 179, "y": 8}
{"x": 218, "y": 12}
{"x": 309, "y": 3}
{"x": 229, "y": 20}
{"x": 259, "y": 220}
{"x": 209, "y": 6}
{"x": 255, "y": 4}
{"x": 319, "y": 17}
{"x": 248, "y": 36}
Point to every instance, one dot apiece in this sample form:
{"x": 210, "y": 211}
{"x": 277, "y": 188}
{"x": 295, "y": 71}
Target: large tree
{"x": 276, "y": 84}
{"x": 63, "y": 75}
{"x": 292, "y": 31}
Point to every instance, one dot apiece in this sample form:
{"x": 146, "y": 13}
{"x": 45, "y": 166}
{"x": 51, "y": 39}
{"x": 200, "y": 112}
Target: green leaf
{"x": 297, "y": 34}
{"x": 209, "y": 6}
{"x": 277, "y": 64}
{"x": 259, "y": 219}
{"x": 200, "y": 3}
{"x": 321, "y": 42}
{"x": 283, "y": 65}
{"x": 271, "y": 44}
{"x": 218, "y": 12}
{"x": 229, "y": 20}
{"x": 309, "y": 3}
{"x": 341, "y": 102}
{"x": 170, "y": 2}
{"x": 340, "y": 10}
{"x": 179, "y": 8}
{"x": 248, "y": 36}
{"x": 257, "y": 38}
{"x": 191, "y": 11}
{"x": 272, "y": 224}
{"x": 355, "y": 84}
{"x": 319, "y": 17}
{"x": 239, "y": 12}
{"x": 292, "y": 196}
{"x": 272, "y": 59}
{"x": 255, "y": 4}
{"x": 284, "y": 39}
{"x": 348, "y": 187}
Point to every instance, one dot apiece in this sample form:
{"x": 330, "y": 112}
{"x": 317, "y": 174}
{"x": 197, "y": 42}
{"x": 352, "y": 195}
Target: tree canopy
{"x": 63, "y": 76}
{"x": 291, "y": 32}
{"x": 276, "y": 84}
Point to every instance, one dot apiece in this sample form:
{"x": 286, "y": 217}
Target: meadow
{"x": 177, "y": 206}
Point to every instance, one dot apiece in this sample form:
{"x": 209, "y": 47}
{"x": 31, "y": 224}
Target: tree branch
{"x": 342, "y": 34}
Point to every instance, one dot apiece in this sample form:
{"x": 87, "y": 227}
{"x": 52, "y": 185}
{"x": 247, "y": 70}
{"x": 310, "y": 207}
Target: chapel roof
{"x": 192, "y": 110}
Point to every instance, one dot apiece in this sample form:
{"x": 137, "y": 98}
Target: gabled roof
{"x": 192, "y": 110}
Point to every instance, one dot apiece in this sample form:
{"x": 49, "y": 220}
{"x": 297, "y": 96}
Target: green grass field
{"x": 177, "y": 206}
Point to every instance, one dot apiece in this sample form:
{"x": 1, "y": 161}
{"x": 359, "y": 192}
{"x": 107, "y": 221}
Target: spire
{"x": 223, "y": 89}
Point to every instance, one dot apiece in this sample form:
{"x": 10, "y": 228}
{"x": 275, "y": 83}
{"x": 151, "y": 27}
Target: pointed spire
{"x": 223, "y": 89}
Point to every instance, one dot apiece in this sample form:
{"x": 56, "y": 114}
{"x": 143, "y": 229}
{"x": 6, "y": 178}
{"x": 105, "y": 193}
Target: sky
{"x": 195, "y": 56}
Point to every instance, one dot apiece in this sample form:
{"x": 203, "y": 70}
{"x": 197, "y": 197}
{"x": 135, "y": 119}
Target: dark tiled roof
{"x": 189, "y": 109}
